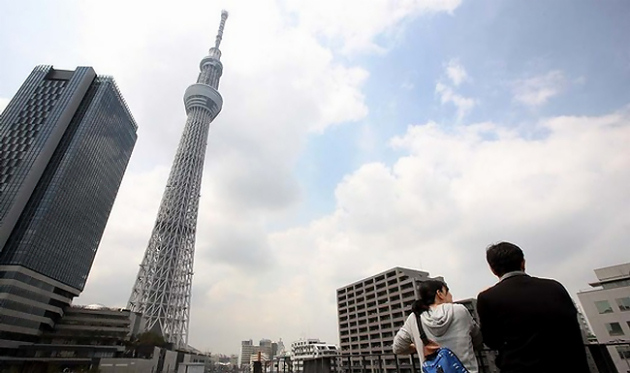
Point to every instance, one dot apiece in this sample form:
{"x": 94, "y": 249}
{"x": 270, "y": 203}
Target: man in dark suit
{"x": 531, "y": 321}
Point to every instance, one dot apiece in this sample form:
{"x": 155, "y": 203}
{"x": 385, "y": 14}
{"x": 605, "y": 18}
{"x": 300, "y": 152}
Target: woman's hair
{"x": 428, "y": 290}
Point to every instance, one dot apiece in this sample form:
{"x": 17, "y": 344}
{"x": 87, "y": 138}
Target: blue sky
{"x": 356, "y": 136}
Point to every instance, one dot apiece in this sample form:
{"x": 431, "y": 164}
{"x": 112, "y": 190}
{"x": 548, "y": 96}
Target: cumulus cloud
{"x": 456, "y": 72}
{"x": 354, "y": 24}
{"x": 463, "y": 104}
{"x": 538, "y": 90}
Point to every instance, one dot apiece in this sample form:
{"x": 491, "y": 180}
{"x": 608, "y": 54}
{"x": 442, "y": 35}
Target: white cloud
{"x": 356, "y": 23}
{"x": 456, "y": 72}
{"x": 537, "y": 91}
{"x": 464, "y": 104}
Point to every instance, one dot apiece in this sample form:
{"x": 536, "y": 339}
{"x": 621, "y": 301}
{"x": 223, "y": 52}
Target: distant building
{"x": 279, "y": 348}
{"x": 247, "y": 349}
{"x": 282, "y": 363}
{"x": 308, "y": 349}
{"x": 266, "y": 347}
{"x": 65, "y": 140}
{"x": 371, "y": 311}
{"x": 607, "y": 307}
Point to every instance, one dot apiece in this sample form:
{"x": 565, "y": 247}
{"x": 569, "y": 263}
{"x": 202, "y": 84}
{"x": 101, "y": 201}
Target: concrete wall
{"x": 170, "y": 362}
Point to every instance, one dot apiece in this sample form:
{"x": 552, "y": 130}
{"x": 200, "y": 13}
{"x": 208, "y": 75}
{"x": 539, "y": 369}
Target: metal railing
{"x": 598, "y": 354}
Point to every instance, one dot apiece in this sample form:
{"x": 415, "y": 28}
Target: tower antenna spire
{"x": 224, "y": 15}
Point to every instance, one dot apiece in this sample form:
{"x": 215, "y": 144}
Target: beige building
{"x": 247, "y": 350}
{"x": 371, "y": 311}
{"x": 607, "y": 308}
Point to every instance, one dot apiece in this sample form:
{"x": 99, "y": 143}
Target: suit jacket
{"x": 533, "y": 324}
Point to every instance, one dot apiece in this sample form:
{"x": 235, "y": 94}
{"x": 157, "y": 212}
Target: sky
{"x": 355, "y": 136}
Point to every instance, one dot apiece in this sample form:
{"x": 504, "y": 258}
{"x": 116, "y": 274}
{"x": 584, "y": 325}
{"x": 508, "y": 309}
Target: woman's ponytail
{"x": 427, "y": 291}
{"x": 418, "y": 307}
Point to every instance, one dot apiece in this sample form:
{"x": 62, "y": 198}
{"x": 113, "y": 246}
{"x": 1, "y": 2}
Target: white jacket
{"x": 450, "y": 325}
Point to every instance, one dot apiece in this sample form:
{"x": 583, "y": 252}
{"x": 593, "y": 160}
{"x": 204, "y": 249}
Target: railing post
{"x": 349, "y": 364}
{"x": 397, "y": 365}
{"x": 479, "y": 357}
{"x": 363, "y": 370}
{"x": 413, "y": 363}
{"x": 380, "y": 364}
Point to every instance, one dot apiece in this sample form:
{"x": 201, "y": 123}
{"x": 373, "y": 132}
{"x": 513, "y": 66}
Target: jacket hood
{"x": 438, "y": 319}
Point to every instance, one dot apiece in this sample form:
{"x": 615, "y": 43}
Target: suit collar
{"x": 512, "y": 274}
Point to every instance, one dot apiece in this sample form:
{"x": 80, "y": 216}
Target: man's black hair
{"x": 504, "y": 257}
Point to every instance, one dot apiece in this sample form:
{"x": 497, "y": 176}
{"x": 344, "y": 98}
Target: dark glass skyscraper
{"x": 65, "y": 141}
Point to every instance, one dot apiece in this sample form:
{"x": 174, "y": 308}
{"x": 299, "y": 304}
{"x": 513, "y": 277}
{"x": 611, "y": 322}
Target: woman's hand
{"x": 430, "y": 348}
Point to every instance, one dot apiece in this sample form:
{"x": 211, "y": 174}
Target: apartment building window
{"x": 614, "y": 329}
{"x": 603, "y": 306}
{"x": 624, "y": 352}
{"x": 623, "y": 303}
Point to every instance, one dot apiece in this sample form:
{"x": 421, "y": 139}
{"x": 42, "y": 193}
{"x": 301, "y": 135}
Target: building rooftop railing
{"x": 599, "y": 358}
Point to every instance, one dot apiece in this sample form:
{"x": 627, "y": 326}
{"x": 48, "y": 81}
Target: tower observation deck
{"x": 164, "y": 282}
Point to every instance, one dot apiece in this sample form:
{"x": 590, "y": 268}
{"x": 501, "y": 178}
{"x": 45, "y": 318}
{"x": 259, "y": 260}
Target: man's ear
{"x": 523, "y": 265}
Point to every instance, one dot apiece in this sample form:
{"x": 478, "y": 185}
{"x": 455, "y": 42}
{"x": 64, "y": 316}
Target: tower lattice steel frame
{"x": 163, "y": 286}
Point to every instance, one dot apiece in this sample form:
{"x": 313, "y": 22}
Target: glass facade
{"x": 61, "y": 226}
{"x": 65, "y": 141}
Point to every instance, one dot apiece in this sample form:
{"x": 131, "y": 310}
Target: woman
{"x": 448, "y": 324}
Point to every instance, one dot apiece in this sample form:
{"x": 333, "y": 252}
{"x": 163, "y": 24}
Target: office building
{"x": 65, "y": 140}
{"x": 266, "y": 347}
{"x": 371, "y": 311}
{"x": 164, "y": 282}
{"x": 247, "y": 350}
{"x": 607, "y": 308}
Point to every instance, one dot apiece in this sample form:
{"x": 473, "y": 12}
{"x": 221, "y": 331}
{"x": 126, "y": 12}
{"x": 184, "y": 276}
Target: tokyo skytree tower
{"x": 163, "y": 286}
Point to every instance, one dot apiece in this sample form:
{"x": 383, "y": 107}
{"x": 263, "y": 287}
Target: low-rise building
{"x": 307, "y": 349}
{"x": 607, "y": 308}
{"x": 82, "y": 337}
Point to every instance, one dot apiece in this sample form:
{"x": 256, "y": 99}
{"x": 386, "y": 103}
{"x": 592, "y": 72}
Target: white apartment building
{"x": 304, "y": 349}
{"x": 371, "y": 311}
{"x": 607, "y": 308}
